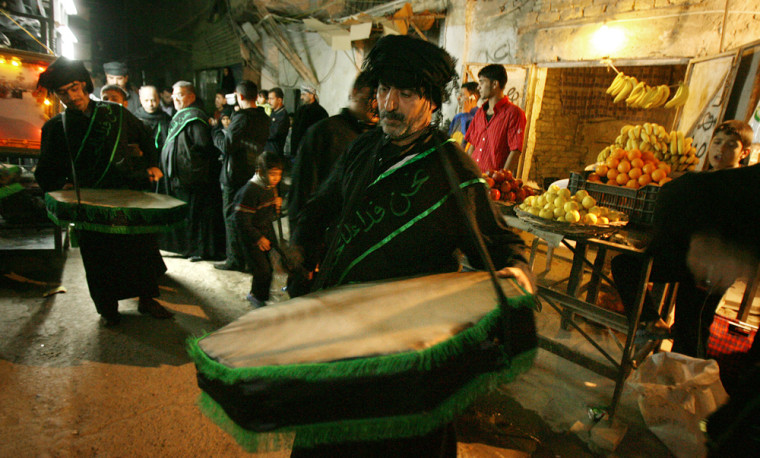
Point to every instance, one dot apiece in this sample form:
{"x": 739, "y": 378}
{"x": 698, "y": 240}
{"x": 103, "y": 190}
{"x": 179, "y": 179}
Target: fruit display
{"x": 505, "y": 187}
{"x": 558, "y": 204}
{"x": 631, "y": 169}
{"x": 672, "y": 148}
{"x": 639, "y": 94}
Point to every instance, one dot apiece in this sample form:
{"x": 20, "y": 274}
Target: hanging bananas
{"x": 679, "y": 99}
{"x": 638, "y": 94}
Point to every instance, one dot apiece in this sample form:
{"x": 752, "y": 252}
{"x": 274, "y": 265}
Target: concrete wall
{"x": 335, "y": 70}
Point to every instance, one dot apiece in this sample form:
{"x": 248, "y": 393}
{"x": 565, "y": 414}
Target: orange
{"x": 665, "y": 166}
{"x": 637, "y": 163}
{"x": 633, "y": 184}
{"x": 648, "y": 168}
{"x": 612, "y": 162}
{"x": 635, "y": 173}
{"x": 601, "y": 170}
{"x": 634, "y": 154}
{"x": 647, "y": 156}
{"x": 612, "y": 175}
{"x": 665, "y": 180}
{"x": 622, "y": 178}
{"x": 658, "y": 175}
{"x": 624, "y": 166}
{"x": 618, "y": 154}
{"x": 594, "y": 177}
{"x": 645, "y": 179}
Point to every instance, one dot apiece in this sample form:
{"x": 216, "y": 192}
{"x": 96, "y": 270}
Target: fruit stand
{"x": 608, "y": 208}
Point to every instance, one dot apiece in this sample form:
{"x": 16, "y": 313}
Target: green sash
{"x": 96, "y": 154}
{"x": 396, "y": 201}
{"x": 182, "y": 118}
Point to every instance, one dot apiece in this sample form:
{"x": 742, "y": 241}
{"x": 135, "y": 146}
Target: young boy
{"x": 256, "y": 208}
{"x": 729, "y": 145}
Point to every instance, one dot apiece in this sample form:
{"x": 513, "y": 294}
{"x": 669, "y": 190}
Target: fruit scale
{"x": 569, "y": 302}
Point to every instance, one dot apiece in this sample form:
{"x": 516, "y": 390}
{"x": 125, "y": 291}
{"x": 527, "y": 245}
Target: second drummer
{"x": 92, "y": 139}
{"x": 391, "y": 209}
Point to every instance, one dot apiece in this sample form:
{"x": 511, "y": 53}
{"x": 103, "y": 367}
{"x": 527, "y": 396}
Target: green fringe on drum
{"x": 115, "y": 220}
{"x": 124, "y": 230}
{"x": 365, "y": 429}
{"x": 11, "y": 189}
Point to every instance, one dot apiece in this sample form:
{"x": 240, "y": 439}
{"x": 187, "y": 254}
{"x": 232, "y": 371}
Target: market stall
{"x": 617, "y": 132}
{"x": 23, "y": 111}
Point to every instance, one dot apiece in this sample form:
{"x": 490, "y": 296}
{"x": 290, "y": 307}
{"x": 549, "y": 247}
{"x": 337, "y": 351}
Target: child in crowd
{"x": 256, "y": 208}
{"x": 695, "y": 305}
{"x": 226, "y": 117}
{"x": 729, "y": 145}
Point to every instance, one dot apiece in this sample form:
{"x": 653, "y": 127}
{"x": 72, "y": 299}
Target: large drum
{"x": 116, "y": 211}
{"x": 363, "y": 362}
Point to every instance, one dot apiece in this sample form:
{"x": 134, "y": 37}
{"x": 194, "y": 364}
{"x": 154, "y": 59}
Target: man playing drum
{"x": 88, "y": 145}
{"x": 391, "y": 208}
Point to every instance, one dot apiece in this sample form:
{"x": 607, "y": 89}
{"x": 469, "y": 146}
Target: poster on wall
{"x": 517, "y": 81}
{"x": 709, "y": 81}
{"x": 23, "y": 109}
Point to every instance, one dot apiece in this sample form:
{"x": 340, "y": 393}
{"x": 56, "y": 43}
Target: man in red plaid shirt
{"x": 496, "y": 133}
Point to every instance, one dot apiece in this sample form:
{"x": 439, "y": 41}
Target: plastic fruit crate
{"x": 638, "y": 204}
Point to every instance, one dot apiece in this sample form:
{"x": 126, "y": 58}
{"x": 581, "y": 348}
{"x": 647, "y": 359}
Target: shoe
{"x": 151, "y": 307}
{"x": 225, "y": 266}
{"x": 110, "y": 320}
{"x": 195, "y": 258}
{"x": 255, "y": 302}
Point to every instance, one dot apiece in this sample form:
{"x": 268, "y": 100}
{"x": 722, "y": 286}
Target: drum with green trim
{"x": 368, "y": 361}
{"x": 116, "y": 211}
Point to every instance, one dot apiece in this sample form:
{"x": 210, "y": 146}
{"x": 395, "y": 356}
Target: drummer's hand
{"x": 522, "y": 278}
{"x": 155, "y": 174}
{"x": 717, "y": 264}
{"x": 278, "y": 203}
{"x": 264, "y": 244}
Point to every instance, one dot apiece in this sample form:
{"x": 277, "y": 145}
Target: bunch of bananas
{"x": 681, "y": 153}
{"x": 682, "y": 93}
{"x": 639, "y": 94}
{"x": 672, "y": 147}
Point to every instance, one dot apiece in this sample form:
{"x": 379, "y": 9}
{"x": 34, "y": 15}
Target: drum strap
{"x": 73, "y": 167}
{"x": 477, "y": 237}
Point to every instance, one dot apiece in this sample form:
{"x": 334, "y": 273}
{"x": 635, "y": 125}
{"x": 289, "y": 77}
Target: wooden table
{"x": 568, "y": 303}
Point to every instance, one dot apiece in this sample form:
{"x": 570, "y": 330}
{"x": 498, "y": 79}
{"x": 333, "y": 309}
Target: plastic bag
{"x": 676, "y": 392}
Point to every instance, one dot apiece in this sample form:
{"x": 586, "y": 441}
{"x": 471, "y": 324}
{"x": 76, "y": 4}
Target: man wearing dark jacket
{"x": 191, "y": 167}
{"x": 306, "y": 115}
{"x": 278, "y": 130}
{"x": 241, "y": 144}
{"x": 151, "y": 114}
{"x": 327, "y": 140}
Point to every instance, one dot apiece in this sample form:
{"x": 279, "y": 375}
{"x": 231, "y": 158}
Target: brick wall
{"x": 569, "y": 134}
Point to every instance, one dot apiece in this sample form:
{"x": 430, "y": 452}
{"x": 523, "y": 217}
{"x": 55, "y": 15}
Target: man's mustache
{"x": 392, "y": 116}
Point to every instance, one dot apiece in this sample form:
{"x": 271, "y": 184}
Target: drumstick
{"x": 279, "y": 218}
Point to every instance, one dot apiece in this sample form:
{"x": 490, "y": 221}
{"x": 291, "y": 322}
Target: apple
{"x": 505, "y": 187}
{"x": 511, "y": 197}
{"x": 499, "y": 177}
{"x": 490, "y": 182}
{"x": 495, "y": 194}
{"x": 520, "y": 195}
{"x": 508, "y": 175}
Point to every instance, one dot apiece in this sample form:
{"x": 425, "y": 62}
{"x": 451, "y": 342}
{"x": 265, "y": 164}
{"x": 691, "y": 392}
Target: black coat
{"x": 241, "y": 143}
{"x": 321, "y": 147}
{"x": 305, "y": 117}
{"x": 278, "y": 131}
{"x": 392, "y": 216}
